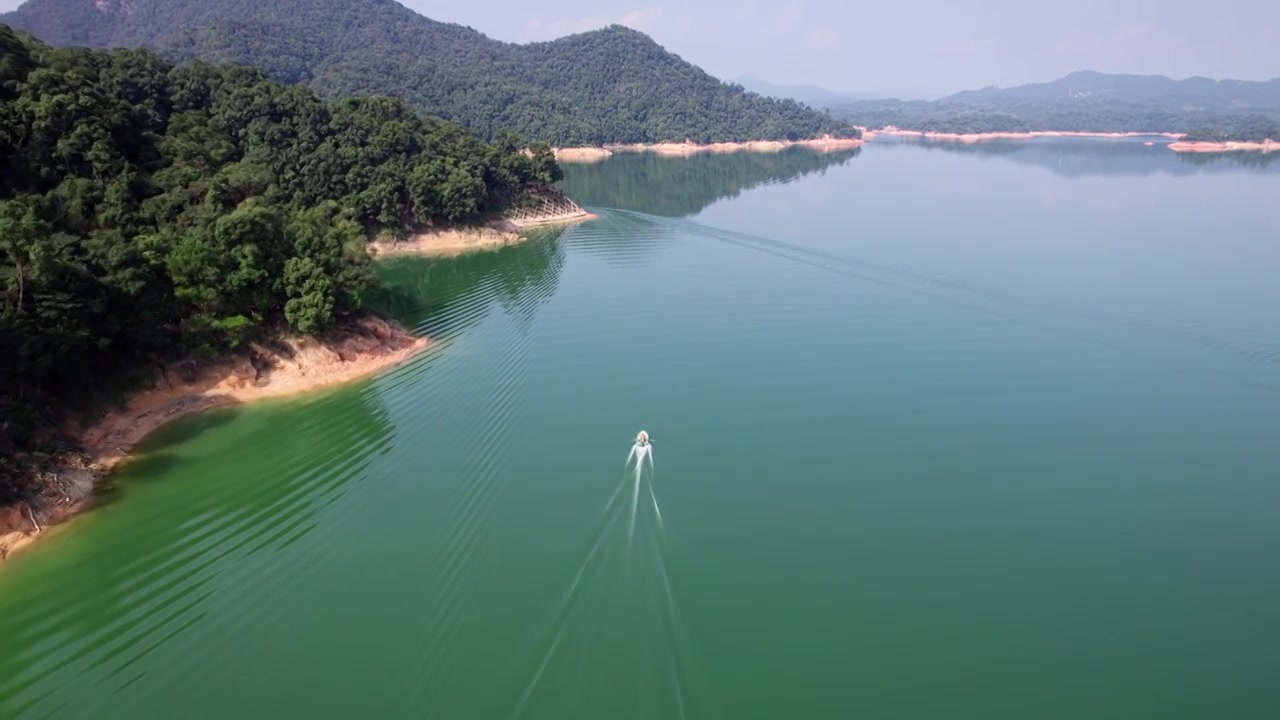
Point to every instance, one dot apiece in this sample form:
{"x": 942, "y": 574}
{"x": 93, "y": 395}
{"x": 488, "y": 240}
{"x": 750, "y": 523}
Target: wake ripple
{"x": 1105, "y": 328}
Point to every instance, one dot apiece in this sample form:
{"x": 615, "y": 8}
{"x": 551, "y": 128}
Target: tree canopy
{"x": 149, "y": 210}
{"x": 613, "y": 85}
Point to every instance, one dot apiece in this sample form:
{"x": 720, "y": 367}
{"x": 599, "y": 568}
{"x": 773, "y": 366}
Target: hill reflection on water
{"x": 680, "y": 186}
{"x": 1082, "y": 157}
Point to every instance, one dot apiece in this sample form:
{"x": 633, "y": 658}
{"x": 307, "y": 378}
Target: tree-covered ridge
{"x": 149, "y": 211}
{"x": 629, "y": 89}
{"x": 614, "y": 85}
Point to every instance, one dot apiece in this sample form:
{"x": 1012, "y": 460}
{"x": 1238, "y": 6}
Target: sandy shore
{"x": 18, "y": 529}
{"x": 287, "y": 367}
{"x": 448, "y": 242}
{"x": 981, "y": 137}
{"x": 1265, "y": 146}
{"x": 596, "y": 154}
{"x": 581, "y": 154}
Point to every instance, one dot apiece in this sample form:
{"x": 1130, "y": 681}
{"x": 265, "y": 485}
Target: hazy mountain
{"x": 609, "y": 85}
{"x": 1095, "y": 88}
{"x": 1091, "y": 102}
{"x": 811, "y": 95}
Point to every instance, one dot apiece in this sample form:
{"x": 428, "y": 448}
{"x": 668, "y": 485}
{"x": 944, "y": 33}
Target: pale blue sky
{"x": 920, "y": 47}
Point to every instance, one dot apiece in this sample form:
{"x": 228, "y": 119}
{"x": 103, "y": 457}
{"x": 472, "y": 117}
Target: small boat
{"x": 642, "y": 438}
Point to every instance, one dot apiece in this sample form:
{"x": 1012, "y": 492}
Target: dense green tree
{"x": 149, "y": 210}
{"x": 613, "y": 85}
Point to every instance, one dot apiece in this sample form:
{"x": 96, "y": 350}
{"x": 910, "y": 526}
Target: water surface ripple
{"x": 937, "y": 433}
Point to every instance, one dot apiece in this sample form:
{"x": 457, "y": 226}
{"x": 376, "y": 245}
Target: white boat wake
{"x": 642, "y": 450}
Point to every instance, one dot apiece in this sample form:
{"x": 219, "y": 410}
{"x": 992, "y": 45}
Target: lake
{"x": 983, "y": 431}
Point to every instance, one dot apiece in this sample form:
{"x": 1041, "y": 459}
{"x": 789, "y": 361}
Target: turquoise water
{"x": 937, "y": 433}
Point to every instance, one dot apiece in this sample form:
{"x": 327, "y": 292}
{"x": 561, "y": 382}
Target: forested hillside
{"x": 1091, "y": 102}
{"x": 149, "y": 211}
{"x": 610, "y": 85}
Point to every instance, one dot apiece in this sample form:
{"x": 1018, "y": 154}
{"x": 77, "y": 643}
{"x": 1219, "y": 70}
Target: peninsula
{"x": 163, "y": 258}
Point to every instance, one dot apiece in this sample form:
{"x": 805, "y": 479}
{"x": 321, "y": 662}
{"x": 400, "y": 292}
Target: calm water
{"x": 939, "y": 432}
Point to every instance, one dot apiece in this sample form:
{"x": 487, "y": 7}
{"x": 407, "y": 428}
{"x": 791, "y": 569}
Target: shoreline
{"x": 1229, "y": 146}
{"x": 584, "y": 155}
{"x": 982, "y": 137}
{"x": 1178, "y": 144}
{"x": 282, "y": 367}
{"x": 452, "y": 241}
{"x": 688, "y": 149}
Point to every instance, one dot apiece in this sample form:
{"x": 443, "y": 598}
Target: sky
{"x": 925, "y": 48}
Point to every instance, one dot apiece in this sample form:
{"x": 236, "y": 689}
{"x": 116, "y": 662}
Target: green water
{"x": 938, "y": 434}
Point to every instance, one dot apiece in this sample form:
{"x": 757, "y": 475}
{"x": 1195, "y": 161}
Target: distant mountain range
{"x": 1196, "y": 94}
{"x": 811, "y": 95}
{"x": 818, "y": 97}
{"x": 1088, "y": 101}
{"x": 609, "y": 85}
